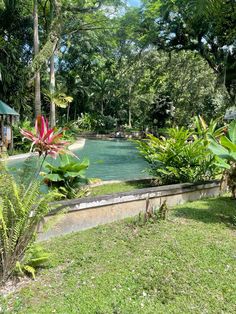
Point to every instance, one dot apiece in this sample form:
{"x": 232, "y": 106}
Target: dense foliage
{"x": 23, "y": 205}
{"x": 142, "y": 67}
{"x": 21, "y": 210}
{"x": 68, "y": 177}
{"x": 96, "y": 122}
{"x": 206, "y": 26}
{"x": 179, "y": 157}
{"x": 225, "y": 150}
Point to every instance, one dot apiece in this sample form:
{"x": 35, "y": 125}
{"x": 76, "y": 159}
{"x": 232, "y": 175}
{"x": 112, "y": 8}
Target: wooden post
{"x": 11, "y": 123}
{"x": 1, "y": 133}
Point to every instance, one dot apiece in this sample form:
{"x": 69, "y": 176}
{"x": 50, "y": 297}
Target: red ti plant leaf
{"x": 46, "y": 141}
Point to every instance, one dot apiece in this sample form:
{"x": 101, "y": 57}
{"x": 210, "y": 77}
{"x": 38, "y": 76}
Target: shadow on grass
{"x": 218, "y": 210}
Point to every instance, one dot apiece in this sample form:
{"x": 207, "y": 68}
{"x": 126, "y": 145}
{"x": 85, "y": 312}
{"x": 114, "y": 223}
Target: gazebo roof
{"x": 7, "y": 110}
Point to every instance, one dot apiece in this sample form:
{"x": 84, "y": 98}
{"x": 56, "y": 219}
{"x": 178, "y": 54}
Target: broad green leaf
{"x": 227, "y": 143}
{"x": 71, "y": 174}
{"x": 222, "y": 164}
{"x": 217, "y": 149}
{"x": 232, "y": 131}
{"x": 30, "y": 270}
{"x": 54, "y": 177}
{"x": 233, "y": 155}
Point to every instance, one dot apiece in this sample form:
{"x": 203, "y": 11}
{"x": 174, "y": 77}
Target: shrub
{"x": 20, "y": 144}
{"x": 96, "y": 122}
{"x": 35, "y": 257}
{"x": 180, "y": 157}
{"x": 68, "y": 177}
{"x": 21, "y": 210}
{"x": 71, "y": 132}
{"x": 225, "y": 150}
{"x": 203, "y": 130}
{"x": 22, "y": 204}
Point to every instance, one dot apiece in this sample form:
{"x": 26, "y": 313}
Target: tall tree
{"x": 16, "y": 38}
{"x": 206, "y": 26}
{"x": 54, "y": 10}
{"x": 37, "y": 83}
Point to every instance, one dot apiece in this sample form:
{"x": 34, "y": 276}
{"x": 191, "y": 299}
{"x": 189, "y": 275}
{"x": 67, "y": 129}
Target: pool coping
{"x": 140, "y": 194}
{"x": 84, "y": 213}
{"x": 79, "y": 143}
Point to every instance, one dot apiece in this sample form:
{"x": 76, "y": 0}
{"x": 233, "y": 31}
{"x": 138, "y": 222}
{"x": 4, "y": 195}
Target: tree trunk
{"x": 102, "y": 107}
{"x": 130, "y": 118}
{"x": 37, "y": 88}
{"x": 130, "y": 114}
{"x": 53, "y": 6}
{"x": 52, "y": 91}
{"x": 68, "y": 113}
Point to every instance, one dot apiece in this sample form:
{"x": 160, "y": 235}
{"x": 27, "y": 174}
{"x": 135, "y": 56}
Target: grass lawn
{"x": 118, "y": 187}
{"x": 184, "y": 265}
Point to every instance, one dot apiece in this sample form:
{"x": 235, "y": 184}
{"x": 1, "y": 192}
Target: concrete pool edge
{"x": 85, "y": 213}
{"x": 79, "y": 143}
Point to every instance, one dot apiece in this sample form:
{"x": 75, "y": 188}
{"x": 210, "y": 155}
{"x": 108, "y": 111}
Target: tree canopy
{"x": 146, "y": 66}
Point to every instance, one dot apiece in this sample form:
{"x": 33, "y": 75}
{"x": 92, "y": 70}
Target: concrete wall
{"x": 90, "y": 212}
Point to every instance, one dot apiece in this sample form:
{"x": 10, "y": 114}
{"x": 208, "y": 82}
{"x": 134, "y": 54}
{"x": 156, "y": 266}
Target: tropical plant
{"x": 20, "y": 144}
{"x": 225, "y": 150}
{"x": 178, "y": 157}
{"x": 71, "y": 132}
{"x": 203, "y": 129}
{"x": 35, "y": 257}
{"x": 21, "y": 211}
{"x": 45, "y": 141}
{"x": 59, "y": 98}
{"x": 23, "y": 205}
{"x": 67, "y": 177}
{"x": 96, "y": 122}
{"x": 206, "y": 26}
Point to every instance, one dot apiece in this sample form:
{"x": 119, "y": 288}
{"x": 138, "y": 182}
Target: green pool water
{"x": 109, "y": 160}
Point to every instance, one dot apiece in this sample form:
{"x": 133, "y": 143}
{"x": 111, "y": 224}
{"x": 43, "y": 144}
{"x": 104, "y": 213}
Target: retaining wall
{"x": 90, "y": 212}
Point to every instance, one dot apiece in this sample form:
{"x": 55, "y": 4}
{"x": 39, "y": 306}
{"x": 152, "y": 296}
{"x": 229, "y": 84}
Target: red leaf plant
{"x": 45, "y": 141}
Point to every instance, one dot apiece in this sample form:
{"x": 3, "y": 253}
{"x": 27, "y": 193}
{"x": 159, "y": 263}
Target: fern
{"x": 30, "y": 270}
{"x": 21, "y": 210}
{"x": 35, "y": 257}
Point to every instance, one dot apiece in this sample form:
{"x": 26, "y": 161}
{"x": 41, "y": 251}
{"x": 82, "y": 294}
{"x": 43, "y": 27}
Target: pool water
{"x": 113, "y": 160}
{"x": 109, "y": 160}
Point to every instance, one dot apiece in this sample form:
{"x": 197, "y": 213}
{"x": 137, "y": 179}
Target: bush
{"x": 22, "y": 208}
{"x": 70, "y": 131}
{"x": 178, "y": 158}
{"x": 67, "y": 177}
{"x": 21, "y": 145}
{"x": 225, "y": 151}
{"x": 96, "y": 122}
{"x": 22, "y": 203}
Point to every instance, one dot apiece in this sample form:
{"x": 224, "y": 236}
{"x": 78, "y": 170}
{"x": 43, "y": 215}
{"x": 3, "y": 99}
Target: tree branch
{"x": 96, "y": 6}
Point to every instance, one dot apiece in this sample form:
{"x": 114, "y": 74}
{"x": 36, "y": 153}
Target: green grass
{"x": 184, "y": 265}
{"x": 118, "y": 187}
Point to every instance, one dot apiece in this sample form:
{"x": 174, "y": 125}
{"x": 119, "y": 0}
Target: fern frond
{"x": 30, "y": 270}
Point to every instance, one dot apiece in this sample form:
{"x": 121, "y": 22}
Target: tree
{"x": 16, "y": 37}
{"x": 208, "y": 27}
{"x": 37, "y": 89}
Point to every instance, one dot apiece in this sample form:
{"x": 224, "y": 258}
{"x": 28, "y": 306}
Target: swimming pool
{"x": 109, "y": 160}
{"x": 113, "y": 160}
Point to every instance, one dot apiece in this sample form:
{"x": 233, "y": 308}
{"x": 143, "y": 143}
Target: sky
{"x": 134, "y": 3}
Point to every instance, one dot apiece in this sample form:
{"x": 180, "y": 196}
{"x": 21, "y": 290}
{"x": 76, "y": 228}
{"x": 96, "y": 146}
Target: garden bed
{"x": 186, "y": 264}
